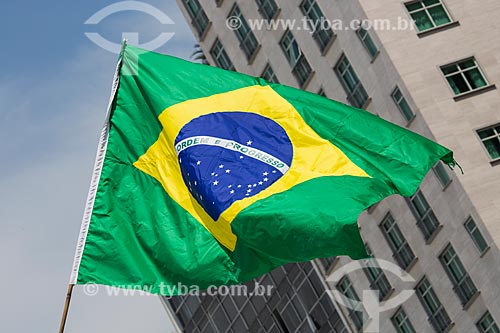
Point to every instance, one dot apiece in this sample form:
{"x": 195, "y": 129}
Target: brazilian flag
{"x": 210, "y": 177}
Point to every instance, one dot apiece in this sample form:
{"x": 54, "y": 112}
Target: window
{"x": 464, "y": 76}
{"x": 220, "y": 56}
{"x": 300, "y": 67}
{"x": 356, "y": 309}
{"x": 462, "y": 283}
{"x": 441, "y": 174}
{"x": 402, "y": 105}
{"x": 426, "y": 220}
{"x": 428, "y": 14}
{"x": 367, "y": 41}
{"x": 474, "y": 232}
{"x": 197, "y": 14}
{"x": 269, "y": 75}
{"x": 402, "y": 251}
{"x": 248, "y": 42}
{"x": 322, "y": 36}
{"x": 356, "y": 93}
{"x": 401, "y": 322}
{"x": 291, "y": 48}
{"x": 327, "y": 262}
{"x": 267, "y": 8}
{"x": 487, "y": 324}
{"x": 490, "y": 138}
{"x": 437, "y": 314}
{"x": 377, "y": 278}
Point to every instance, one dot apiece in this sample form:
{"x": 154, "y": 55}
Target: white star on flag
{"x": 221, "y": 166}
{"x": 265, "y": 173}
{"x": 249, "y": 143}
{"x": 198, "y": 163}
{"x": 216, "y": 182}
{"x": 228, "y": 171}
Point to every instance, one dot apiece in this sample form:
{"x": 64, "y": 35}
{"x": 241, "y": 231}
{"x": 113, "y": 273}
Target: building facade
{"x": 431, "y": 66}
{"x": 298, "y": 301}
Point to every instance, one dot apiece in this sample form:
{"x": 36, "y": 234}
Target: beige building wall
{"x": 412, "y": 62}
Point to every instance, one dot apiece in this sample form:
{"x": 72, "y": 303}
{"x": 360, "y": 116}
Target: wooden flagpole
{"x": 66, "y": 308}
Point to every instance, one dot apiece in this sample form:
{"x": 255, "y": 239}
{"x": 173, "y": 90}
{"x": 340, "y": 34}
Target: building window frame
{"x": 323, "y": 37}
{"x": 494, "y": 138}
{"x": 357, "y": 312}
{"x": 441, "y": 174}
{"x": 368, "y": 42}
{"x": 220, "y": 57}
{"x": 199, "y": 18}
{"x": 476, "y": 235}
{"x": 402, "y": 322}
{"x": 402, "y": 252}
{"x": 402, "y": 104}
{"x": 269, "y": 75}
{"x": 356, "y": 92}
{"x": 461, "y": 74}
{"x": 463, "y": 285}
{"x": 328, "y": 262}
{"x": 376, "y": 276}
{"x": 248, "y": 42}
{"x": 301, "y": 68}
{"x": 427, "y": 221}
{"x": 487, "y": 324}
{"x": 426, "y": 9}
{"x": 268, "y": 9}
{"x": 438, "y": 317}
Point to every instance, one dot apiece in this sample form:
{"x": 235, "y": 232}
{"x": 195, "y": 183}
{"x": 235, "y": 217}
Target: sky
{"x": 54, "y": 89}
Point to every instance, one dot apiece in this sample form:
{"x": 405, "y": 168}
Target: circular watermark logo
{"x": 90, "y": 289}
{"x": 233, "y": 22}
{"x": 370, "y": 301}
{"x": 131, "y": 37}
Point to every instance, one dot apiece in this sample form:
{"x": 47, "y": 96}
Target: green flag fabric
{"x": 210, "y": 177}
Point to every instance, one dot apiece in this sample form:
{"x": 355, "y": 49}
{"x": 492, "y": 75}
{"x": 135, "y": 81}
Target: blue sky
{"x": 54, "y": 89}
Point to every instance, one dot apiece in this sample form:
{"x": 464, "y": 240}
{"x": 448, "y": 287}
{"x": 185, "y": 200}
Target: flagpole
{"x": 66, "y": 308}
{"x": 93, "y": 188}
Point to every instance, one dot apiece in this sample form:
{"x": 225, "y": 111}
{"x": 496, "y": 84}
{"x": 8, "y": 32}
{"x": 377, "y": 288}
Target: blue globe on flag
{"x": 230, "y": 156}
